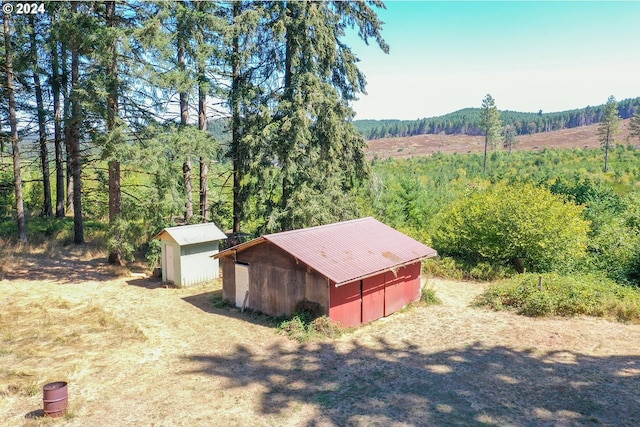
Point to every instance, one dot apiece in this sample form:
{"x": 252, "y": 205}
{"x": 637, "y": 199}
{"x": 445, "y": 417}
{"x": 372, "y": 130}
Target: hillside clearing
{"x": 137, "y": 353}
{"x": 425, "y": 145}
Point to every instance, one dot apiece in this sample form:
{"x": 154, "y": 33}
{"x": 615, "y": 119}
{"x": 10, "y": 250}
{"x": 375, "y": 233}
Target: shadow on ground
{"x": 63, "y": 269}
{"x": 398, "y": 383}
{"x": 211, "y": 302}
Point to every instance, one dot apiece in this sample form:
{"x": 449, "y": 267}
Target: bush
{"x": 519, "y": 225}
{"x": 308, "y": 323}
{"x": 564, "y": 296}
{"x": 429, "y": 297}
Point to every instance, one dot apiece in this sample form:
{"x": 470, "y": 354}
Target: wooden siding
{"x": 346, "y": 304}
{"x": 276, "y": 281}
{"x": 374, "y": 297}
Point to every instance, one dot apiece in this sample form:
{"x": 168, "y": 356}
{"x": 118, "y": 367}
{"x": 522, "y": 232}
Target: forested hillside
{"x": 467, "y": 121}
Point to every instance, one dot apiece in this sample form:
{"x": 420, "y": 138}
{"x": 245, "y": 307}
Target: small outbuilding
{"x": 187, "y": 251}
{"x": 357, "y": 271}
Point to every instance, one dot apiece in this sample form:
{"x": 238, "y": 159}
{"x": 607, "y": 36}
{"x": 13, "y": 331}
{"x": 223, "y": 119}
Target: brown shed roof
{"x": 346, "y": 251}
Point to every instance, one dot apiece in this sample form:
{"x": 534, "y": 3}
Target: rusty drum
{"x": 55, "y": 398}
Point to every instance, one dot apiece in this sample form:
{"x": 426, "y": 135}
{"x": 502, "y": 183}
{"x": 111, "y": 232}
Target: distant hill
{"x": 428, "y": 144}
{"x": 467, "y": 122}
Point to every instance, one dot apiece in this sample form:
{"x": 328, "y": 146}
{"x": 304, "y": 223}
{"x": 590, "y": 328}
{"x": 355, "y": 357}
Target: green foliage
{"x": 307, "y": 322}
{"x": 513, "y": 224}
{"x": 124, "y": 237}
{"x": 564, "y": 296}
{"x": 428, "y": 296}
{"x": 154, "y": 252}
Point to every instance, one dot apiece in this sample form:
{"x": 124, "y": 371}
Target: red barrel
{"x": 55, "y": 398}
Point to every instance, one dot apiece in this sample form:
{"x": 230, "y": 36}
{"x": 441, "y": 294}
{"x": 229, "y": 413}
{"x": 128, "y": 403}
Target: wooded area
{"x": 467, "y": 121}
{"x": 125, "y": 91}
{"x": 113, "y": 107}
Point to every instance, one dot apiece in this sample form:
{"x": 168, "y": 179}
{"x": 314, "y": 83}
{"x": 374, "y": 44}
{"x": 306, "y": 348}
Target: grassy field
{"x": 135, "y": 352}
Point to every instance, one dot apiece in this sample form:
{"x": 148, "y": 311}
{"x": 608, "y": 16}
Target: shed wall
{"x": 276, "y": 281}
{"x": 363, "y": 301}
{"x": 197, "y": 266}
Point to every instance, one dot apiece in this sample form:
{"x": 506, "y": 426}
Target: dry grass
{"x": 37, "y": 333}
{"x": 424, "y": 145}
{"x": 137, "y": 353}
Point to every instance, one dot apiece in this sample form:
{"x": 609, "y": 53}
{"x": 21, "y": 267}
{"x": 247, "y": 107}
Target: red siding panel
{"x": 373, "y": 298}
{"x": 345, "y": 304}
{"x": 393, "y": 292}
{"x": 411, "y": 275}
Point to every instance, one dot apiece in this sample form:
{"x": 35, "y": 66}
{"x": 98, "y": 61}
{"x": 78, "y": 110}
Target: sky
{"x": 530, "y": 56}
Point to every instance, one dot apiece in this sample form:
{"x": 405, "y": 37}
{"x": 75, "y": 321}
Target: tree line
{"x": 468, "y": 121}
{"x": 125, "y": 93}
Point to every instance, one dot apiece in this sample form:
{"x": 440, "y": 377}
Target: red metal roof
{"x": 347, "y": 251}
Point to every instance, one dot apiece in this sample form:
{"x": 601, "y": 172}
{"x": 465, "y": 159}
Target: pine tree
{"x": 47, "y": 208}
{"x": 634, "y": 124}
{"x": 13, "y": 122}
{"x": 318, "y": 151}
{"x": 490, "y": 123}
{"x": 608, "y": 128}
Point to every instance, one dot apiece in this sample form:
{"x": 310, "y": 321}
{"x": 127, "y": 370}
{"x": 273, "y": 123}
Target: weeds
{"x": 308, "y": 323}
{"x": 555, "y": 295}
{"x": 429, "y": 297}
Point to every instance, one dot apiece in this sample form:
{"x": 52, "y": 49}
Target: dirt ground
{"x": 195, "y": 365}
{"x": 425, "y": 145}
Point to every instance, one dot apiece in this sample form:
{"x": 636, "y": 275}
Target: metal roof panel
{"x": 348, "y": 250}
{"x": 192, "y": 234}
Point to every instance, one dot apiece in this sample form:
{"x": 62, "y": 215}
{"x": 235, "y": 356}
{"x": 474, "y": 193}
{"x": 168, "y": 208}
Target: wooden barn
{"x": 358, "y": 271}
{"x": 187, "y": 251}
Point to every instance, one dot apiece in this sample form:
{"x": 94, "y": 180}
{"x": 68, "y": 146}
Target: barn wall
{"x": 374, "y": 297}
{"x": 346, "y": 304}
{"x": 276, "y": 281}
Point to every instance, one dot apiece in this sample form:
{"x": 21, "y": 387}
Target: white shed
{"x": 186, "y": 253}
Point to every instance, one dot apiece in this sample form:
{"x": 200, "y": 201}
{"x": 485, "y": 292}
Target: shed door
{"x": 372, "y": 298}
{"x": 169, "y": 262}
{"x": 242, "y": 284}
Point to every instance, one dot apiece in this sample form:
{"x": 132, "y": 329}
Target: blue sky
{"x": 529, "y": 56}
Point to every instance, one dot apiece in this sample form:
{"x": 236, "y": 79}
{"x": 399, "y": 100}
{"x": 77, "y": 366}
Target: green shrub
{"x": 520, "y": 225}
{"x": 429, "y": 297}
{"x": 564, "y": 296}
{"x": 308, "y": 323}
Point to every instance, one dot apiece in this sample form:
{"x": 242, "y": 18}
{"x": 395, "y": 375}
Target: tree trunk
{"x": 204, "y": 166}
{"x": 606, "y": 151}
{"x": 235, "y": 125}
{"x": 115, "y": 192}
{"x": 67, "y": 115}
{"x": 13, "y": 122}
{"x": 184, "y": 121}
{"x": 74, "y": 138}
{"x": 484, "y": 160}
{"x": 47, "y": 209}
{"x": 57, "y": 128}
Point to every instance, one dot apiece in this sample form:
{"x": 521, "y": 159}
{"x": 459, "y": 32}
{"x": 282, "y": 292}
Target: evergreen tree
{"x": 608, "y": 128}
{"x": 510, "y": 139}
{"x": 13, "y": 122}
{"x": 318, "y": 151}
{"x": 47, "y": 208}
{"x": 634, "y": 125}
{"x": 490, "y": 123}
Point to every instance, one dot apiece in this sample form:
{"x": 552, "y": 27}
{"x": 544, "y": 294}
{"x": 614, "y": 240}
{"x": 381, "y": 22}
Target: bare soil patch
{"x": 425, "y": 145}
{"x": 166, "y": 357}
